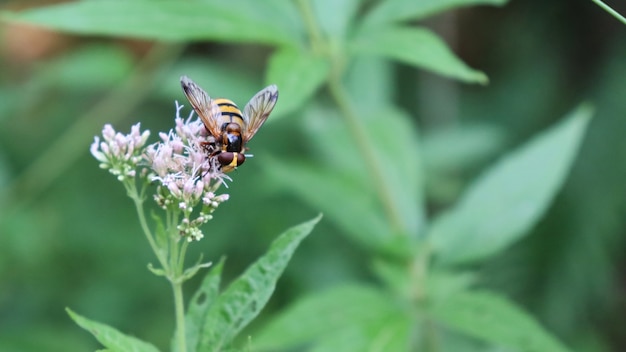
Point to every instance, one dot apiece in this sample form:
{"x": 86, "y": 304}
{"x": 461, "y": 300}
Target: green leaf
{"x": 90, "y": 67}
{"x": 394, "y": 275}
{"x": 505, "y": 202}
{"x": 200, "y": 303}
{"x": 248, "y": 294}
{"x": 461, "y": 147}
{"x": 400, "y": 10}
{"x": 335, "y": 16}
{"x": 298, "y": 75}
{"x": 442, "y": 284}
{"x": 344, "y": 188}
{"x": 370, "y": 81}
{"x": 339, "y": 196}
{"x": 418, "y": 47}
{"x": 449, "y": 153}
{"x": 269, "y": 21}
{"x": 492, "y": 318}
{"x": 111, "y": 338}
{"x": 345, "y": 318}
{"x": 162, "y": 238}
{"x": 386, "y": 126}
{"x": 192, "y": 271}
{"x": 217, "y": 78}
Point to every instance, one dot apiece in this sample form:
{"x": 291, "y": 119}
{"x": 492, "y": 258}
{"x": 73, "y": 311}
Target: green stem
{"x": 608, "y": 9}
{"x": 131, "y": 189}
{"x": 181, "y": 256}
{"x": 179, "y": 307}
{"x": 178, "y": 248}
{"x": 320, "y": 45}
{"x": 315, "y": 34}
{"x": 364, "y": 145}
{"x": 426, "y": 329}
{"x": 173, "y": 268}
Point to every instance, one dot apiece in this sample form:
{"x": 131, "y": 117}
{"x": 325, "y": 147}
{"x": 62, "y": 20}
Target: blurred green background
{"x": 69, "y": 236}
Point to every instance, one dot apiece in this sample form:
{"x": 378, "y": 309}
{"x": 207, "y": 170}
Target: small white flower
{"x": 120, "y": 154}
{"x": 181, "y": 163}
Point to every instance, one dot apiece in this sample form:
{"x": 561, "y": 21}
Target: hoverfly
{"x": 231, "y": 128}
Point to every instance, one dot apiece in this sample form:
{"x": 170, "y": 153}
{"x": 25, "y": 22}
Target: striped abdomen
{"x": 231, "y": 124}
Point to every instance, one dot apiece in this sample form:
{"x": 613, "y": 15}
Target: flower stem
{"x": 178, "y": 248}
{"x": 320, "y": 45}
{"x": 173, "y": 268}
{"x": 367, "y": 151}
{"x": 608, "y": 9}
{"x": 131, "y": 189}
{"x": 317, "y": 41}
{"x": 179, "y": 307}
{"x": 419, "y": 269}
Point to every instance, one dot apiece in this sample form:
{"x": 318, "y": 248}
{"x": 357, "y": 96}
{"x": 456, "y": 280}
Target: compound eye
{"x": 225, "y": 158}
{"x": 240, "y": 159}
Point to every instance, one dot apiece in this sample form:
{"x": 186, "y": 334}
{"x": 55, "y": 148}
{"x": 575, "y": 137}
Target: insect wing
{"x": 258, "y": 109}
{"x": 207, "y": 110}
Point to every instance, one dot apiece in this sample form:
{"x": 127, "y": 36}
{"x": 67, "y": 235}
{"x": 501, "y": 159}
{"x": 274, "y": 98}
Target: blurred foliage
{"x": 69, "y": 236}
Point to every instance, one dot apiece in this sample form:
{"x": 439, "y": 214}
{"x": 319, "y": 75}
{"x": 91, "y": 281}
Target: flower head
{"x": 119, "y": 153}
{"x": 182, "y": 165}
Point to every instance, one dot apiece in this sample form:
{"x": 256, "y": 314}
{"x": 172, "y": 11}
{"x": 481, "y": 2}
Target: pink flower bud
{"x": 108, "y": 132}
{"x": 174, "y": 189}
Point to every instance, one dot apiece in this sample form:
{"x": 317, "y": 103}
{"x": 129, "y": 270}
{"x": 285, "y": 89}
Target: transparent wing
{"x": 258, "y": 109}
{"x": 204, "y": 106}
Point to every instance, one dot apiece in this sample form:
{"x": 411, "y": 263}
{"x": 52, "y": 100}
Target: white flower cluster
{"x": 181, "y": 164}
{"x": 118, "y": 153}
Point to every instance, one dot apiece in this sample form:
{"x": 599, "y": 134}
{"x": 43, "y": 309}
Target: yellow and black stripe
{"x": 230, "y": 112}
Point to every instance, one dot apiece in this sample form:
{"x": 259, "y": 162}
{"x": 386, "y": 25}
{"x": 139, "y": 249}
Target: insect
{"x": 231, "y": 128}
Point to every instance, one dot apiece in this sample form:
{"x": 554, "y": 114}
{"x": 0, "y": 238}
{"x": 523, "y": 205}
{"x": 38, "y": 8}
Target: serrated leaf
{"x": 247, "y": 295}
{"x": 200, "y": 303}
{"x": 492, "y": 318}
{"x": 345, "y": 318}
{"x": 269, "y": 21}
{"x": 400, "y": 10}
{"x": 415, "y": 46}
{"x": 111, "y": 338}
{"x": 298, "y": 75}
{"x": 505, "y": 202}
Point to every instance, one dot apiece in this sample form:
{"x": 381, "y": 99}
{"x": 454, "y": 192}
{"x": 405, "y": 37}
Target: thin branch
{"x": 608, "y": 9}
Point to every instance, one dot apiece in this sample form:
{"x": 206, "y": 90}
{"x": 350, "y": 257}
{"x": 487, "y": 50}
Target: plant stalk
{"x": 320, "y": 46}
{"x": 131, "y": 188}
{"x": 179, "y": 307}
{"x": 173, "y": 267}
{"x": 610, "y": 10}
{"x": 368, "y": 152}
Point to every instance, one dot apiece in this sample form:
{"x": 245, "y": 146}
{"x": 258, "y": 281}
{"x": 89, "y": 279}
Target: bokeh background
{"x": 69, "y": 236}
